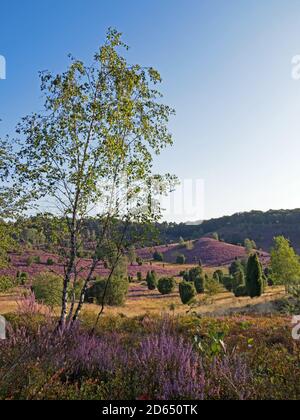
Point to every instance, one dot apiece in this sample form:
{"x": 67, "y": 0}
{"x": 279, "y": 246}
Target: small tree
{"x": 238, "y": 280}
{"x": 285, "y": 265}
{"x": 158, "y": 256}
{"x": 151, "y": 280}
{"x": 249, "y": 246}
{"x": 254, "y": 279}
{"x": 113, "y": 293}
{"x": 47, "y": 288}
{"x": 92, "y": 147}
{"x": 235, "y": 267}
{"x": 166, "y": 285}
{"x": 218, "y": 275}
{"x": 132, "y": 257}
{"x": 187, "y": 292}
{"x": 200, "y": 284}
{"x": 181, "y": 259}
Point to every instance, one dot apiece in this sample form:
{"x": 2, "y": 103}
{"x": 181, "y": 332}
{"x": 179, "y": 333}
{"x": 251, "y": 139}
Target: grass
{"x": 141, "y": 301}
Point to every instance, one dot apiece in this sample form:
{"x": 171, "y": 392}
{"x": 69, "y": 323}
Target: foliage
{"x": 218, "y": 275}
{"x": 254, "y": 278}
{"x": 187, "y": 292}
{"x": 249, "y": 246}
{"x": 213, "y": 287}
{"x": 200, "y": 284}
{"x": 166, "y": 285}
{"x": 228, "y": 283}
{"x": 112, "y": 292}
{"x": 285, "y": 264}
{"x": 92, "y": 146}
{"x": 235, "y": 267}
{"x": 47, "y": 288}
{"x": 241, "y": 291}
{"x": 238, "y": 280}
{"x": 151, "y": 280}
{"x": 6, "y": 283}
{"x": 180, "y": 259}
{"x": 158, "y": 256}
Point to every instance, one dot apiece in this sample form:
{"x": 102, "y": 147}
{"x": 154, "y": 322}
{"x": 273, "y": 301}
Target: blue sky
{"x": 226, "y": 67}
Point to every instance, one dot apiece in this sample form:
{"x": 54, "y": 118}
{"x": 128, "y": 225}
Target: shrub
{"x": 48, "y": 288}
{"x": 255, "y": 282}
{"x": 151, "y": 280}
{"x": 139, "y": 261}
{"x": 194, "y": 273}
{"x": 240, "y": 291}
{"x": 37, "y": 259}
{"x": 238, "y": 280}
{"x": 200, "y": 284}
{"x": 213, "y": 287}
{"x": 50, "y": 261}
{"x": 180, "y": 259}
{"x": 29, "y": 261}
{"x": 130, "y": 279}
{"x": 227, "y": 282}
{"x": 166, "y": 285}
{"x": 158, "y": 256}
{"x": 6, "y": 283}
{"x": 21, "y": 278}
{"x": 112, "y": 292}
{"x": 187, "y": 292}
{"x": 139, "y": 276}
{"x": 235, "y": 266}
{"x": 218, "y": 275}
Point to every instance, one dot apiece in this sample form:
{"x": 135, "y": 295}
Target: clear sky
{"x": 226, "y": 67}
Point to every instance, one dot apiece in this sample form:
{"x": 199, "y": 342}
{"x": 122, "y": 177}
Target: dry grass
{"x": 141, "y": 301}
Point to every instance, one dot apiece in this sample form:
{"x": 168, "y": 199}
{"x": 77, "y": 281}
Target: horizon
{"x": 236, "y": 92}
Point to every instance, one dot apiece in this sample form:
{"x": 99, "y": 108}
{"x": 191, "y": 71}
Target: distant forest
{"x": 256, "y": 225}
{"x": 259, "y": 226}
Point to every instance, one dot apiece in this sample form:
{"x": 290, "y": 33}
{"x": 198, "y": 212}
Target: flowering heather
{"x": 161, "y": 365}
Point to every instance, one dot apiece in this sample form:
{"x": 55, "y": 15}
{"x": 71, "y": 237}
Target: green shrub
{"x": 37, "y": 259}
{"x": 29, "y": 261}
{"x": 241, "y": 291}
{"x": 139, "y": 276}
{"x": 238, "y": 280}
{"x": 112, "y": 292}
{"x": 218, "y": 275}
{"x": 151, "y": 280}
{"x": 50, "y": 261}
{"x": 254, "y": 280}
{"x": 194, "y": 273}
{"x": 6, "y": 283}
{"x": 158, "y": 256}
{"x": 180, "y": 259}
{"x": 21, "y": 278}
{"x": 48, "y": 288}
{"x": 200, "y": 284}
{"x": 166, "y": 285}
{"x": 187, "y": 292}
{"x": 227, "y": 282}
{"x": 213, "y": 287}
{"x": 235, "y": 266}
{"x": 139, "y": 261}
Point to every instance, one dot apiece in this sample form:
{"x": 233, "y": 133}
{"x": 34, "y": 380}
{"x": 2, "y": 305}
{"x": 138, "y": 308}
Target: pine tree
{"x": 254, "y": 279}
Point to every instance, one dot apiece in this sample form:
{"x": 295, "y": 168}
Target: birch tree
{"x": 91, "y": 149}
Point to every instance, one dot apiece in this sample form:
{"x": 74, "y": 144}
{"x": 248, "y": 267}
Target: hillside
{"x": 212, "y": 253}
{"x": 256, "y": 225}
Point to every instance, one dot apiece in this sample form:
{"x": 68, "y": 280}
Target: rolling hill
{"x": 212, "y": 253}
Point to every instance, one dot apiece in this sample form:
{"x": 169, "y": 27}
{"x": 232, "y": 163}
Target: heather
{"x": 149, "y": 357}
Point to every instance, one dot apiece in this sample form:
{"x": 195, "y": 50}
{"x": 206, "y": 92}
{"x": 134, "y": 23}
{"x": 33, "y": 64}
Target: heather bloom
{"x": 170, "y": 368}
{"x": 158, "y": 365}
